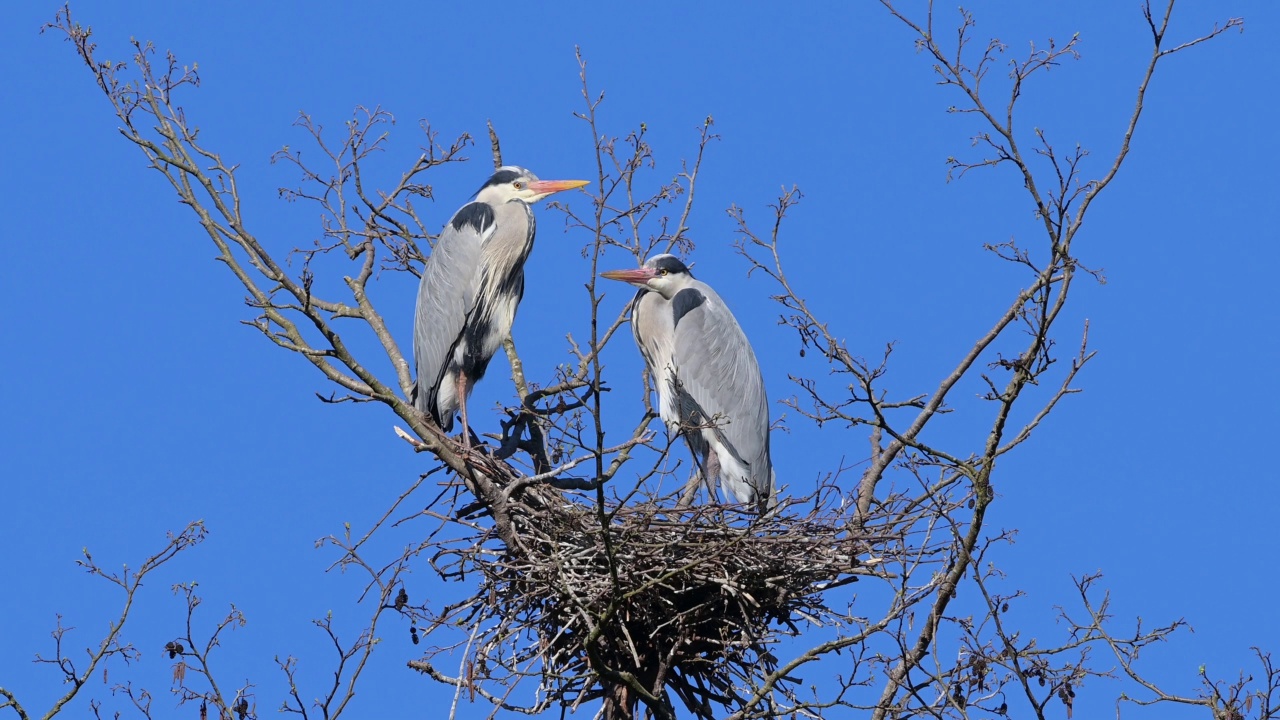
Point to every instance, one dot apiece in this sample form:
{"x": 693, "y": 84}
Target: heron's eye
{"x": 518, "y": 185}
{"x": 662, "y": 272}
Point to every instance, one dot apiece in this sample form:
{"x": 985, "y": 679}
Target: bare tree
{"x": 586, "y": 582}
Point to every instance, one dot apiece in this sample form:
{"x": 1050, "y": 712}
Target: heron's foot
{"x": 468, "y": 440}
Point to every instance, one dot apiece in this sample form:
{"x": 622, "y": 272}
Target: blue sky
{"x": 134, "y": 401}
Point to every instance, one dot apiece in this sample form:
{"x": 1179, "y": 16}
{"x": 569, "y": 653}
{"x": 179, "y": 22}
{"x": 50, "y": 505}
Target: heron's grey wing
{"x": 654, "y": 330}
{"x": 445, "y": 295}
{"x": 718, "y": 370}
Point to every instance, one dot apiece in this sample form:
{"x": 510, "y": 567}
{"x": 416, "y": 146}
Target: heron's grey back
{"x": 718, "y": 369}
{"x": 445, "y": 295}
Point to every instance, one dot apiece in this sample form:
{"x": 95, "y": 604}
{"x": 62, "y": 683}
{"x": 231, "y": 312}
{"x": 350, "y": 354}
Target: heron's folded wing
{"x": 717, "y": 369}
{"x": 445, "y": 296}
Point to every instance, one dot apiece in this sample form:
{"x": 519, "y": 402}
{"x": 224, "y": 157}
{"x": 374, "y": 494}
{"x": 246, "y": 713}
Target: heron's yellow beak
{"x": 637, "y": 276}
{"x": 546, "y": 187}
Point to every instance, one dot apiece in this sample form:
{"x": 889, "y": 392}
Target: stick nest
{"x": 687, "y": 599}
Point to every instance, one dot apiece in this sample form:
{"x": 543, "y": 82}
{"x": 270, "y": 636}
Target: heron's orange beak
{"x": 637, "y": 276}
{"x": 547, "y": 187}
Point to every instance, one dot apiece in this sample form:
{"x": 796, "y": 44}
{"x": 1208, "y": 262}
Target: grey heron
{"x": 710, "y": 389}
{"x": 471, "y": 284}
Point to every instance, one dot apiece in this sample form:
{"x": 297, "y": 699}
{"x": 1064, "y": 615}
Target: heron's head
{"x": 515, "y": 183}
{"x": 663, "y": 274}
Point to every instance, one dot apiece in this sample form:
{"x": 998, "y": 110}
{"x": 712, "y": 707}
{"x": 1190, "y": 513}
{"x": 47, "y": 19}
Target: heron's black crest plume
{"x": 504, "y": 175}
{"x": 670, "y": 263}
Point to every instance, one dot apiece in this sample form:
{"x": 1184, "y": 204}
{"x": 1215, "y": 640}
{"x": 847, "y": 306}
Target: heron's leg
{"x": 698, "y": 450}
{"x": 712, "y": 472}
{"x": 691, "y": 487}
{"x": 705, "y": 471}
{"x": 462, "y": 405}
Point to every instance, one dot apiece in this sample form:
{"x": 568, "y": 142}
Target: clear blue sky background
{"x": 134, "y": 401}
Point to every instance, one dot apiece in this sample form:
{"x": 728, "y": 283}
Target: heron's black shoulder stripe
{"x": 685, "y": 301}
{"x": 476, "y": 214}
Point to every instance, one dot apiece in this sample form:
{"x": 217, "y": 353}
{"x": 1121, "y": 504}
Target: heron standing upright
{"x": 710, "y": 389}
{"x": 471, "y": 285}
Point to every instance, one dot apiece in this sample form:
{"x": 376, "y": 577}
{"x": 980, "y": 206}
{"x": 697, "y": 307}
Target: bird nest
{"x": 687, "y": 600}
